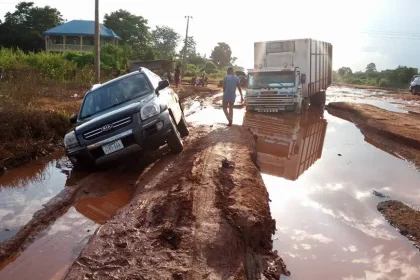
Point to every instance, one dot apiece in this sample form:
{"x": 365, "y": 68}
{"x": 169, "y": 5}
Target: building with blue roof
{"x": 77, "y": 35}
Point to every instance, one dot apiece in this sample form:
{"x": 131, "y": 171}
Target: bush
{"x": 383, "y": 82}
{"x": 10, "y": 59}
{"x": 51, "y": 65}
{"x": 210, "y": 67}
{"x": 67, "y": 66}
{"x": 191, "y": 70}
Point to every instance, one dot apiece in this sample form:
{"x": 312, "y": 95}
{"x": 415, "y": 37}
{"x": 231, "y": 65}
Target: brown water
{"x": 57, "y": 247}
{"x": 24, "y": 190}
{"x": 327, "y": 223}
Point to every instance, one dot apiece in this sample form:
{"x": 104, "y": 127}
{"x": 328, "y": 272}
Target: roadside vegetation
{"x": 397, "y": 78}
{"x": 39, "y": 90}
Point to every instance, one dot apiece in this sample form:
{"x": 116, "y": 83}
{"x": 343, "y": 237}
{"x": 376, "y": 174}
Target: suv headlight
{"x": 70, "y": 140}
{"x": 149, "y": 110}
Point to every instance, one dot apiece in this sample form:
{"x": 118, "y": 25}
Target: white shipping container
{"x": 314, "y": 59}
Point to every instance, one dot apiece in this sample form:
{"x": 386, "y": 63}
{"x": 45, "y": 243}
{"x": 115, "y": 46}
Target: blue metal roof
{"x": 81, "y": 28}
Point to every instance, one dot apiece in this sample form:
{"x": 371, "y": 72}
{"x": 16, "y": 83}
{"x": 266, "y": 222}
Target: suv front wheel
{"x": 183, "y": 126}
{"x": 174, "y": 140}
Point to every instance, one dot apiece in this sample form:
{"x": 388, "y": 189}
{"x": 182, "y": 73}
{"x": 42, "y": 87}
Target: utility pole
{"x": 97, "y": 45}
{"x": 186, "y": 41}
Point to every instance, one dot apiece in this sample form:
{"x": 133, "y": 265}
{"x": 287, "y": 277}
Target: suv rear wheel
{"x": 174, "y": 140}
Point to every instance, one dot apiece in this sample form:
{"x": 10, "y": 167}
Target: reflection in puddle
{"x": 327, "y": 223}
{"x": 287, "y": 145}
{"x": 24, "y": 190}
{"x": 56, "y": 248}
{"x": 54, "y": 251}
{"x": 101, "y": 209}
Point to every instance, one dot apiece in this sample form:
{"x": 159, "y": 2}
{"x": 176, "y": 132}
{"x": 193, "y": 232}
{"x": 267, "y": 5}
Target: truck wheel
{"x": 174, "y": 140}
{"x": 183, "y": 127}
{"x": 413, "y": 91}
{"x": 323, "y": 98}
{"x": 318, "y": 99}
{"x": 305, "y": 105}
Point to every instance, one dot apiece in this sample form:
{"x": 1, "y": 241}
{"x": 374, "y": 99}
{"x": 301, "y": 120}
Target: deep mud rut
{"x": 195, "y": 220}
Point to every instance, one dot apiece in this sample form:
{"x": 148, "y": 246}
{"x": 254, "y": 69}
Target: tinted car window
{"x": 114, "y": 94}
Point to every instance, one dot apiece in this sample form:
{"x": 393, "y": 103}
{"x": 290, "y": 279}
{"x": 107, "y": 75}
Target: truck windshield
{"x": 272, "y": 79}
{"x": 114, "y": 94}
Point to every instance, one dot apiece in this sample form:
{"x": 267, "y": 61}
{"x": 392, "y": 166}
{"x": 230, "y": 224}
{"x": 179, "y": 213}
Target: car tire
{"x": 183, "y": 127}
{"x": 85, "y": 166}
{"x": 413, "y": 91}
{"x": 174, "y": 140}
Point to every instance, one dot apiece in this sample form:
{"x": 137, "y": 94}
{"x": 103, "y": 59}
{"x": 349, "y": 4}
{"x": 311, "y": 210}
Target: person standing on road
{"x": 177, "y": 76}
{"x": 231, "y": 82}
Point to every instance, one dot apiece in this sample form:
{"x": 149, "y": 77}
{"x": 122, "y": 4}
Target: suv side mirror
{"x": 302, "y": 78}
{"x": 162, "y": 85}
{"x": 73, "y": 119}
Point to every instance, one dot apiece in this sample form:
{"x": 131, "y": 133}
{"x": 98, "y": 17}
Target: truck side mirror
{"x": 303, "y": 78}
{"x": 73, "y": 119}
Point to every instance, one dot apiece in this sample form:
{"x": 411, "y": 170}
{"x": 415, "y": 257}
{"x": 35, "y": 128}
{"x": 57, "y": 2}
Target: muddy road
{"x": 320, "y": 172}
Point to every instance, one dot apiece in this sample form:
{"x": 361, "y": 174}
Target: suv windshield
{"x": 114, "y": 94}
{"x": 271, "y": 79}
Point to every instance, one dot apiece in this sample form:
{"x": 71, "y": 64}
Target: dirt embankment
{"x": 206, "y": 216}
{"x": 398, "y": 133}
{"x": 404, "y": 218}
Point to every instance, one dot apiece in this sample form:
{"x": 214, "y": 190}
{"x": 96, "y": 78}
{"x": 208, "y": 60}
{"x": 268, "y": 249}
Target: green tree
{"x": 210, "y": 67}
{"x": 222, "y": 55}
{"x": 165, "y": 41}
{"x": 23, "y": 28}
{"x": 196, "y": 59}
{"x": 371, "y": 68}
{"x": 345, "y": 71}
{"x": 191, "y": 47}
{"x": 132, "y": 29}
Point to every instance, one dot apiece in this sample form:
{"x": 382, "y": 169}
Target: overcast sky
{"x": 386, "y": 32}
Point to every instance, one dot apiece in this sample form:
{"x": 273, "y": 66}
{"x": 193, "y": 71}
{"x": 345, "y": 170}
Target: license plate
{"x": 112, "y": 147}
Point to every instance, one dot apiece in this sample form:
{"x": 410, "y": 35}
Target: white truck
{"x": 289, "y": 75}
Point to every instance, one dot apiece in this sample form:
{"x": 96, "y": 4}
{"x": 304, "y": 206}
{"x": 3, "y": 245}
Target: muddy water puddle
{"x": 24, "y": 190}
{"x": 335, "y": 94}
{"x": 56, "y": 248}
{"x": 320, "y": 173}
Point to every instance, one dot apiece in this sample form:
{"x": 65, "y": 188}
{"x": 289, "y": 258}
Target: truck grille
{"x": 268, "y": 92}
{"x": 113, "y": 126}
{"x": 270, "y": 100}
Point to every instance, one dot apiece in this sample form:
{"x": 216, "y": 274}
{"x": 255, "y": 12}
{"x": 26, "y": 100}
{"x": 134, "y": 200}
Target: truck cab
{"x": 275, "y": 89}
{"x": 278, "y": 80}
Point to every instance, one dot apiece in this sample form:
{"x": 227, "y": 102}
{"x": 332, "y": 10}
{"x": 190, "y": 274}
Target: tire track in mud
{"x": 192, "y": 221}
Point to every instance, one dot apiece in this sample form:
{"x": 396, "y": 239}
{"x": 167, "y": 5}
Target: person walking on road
{"x": 231, "y": 82}
{"x": 177, "y": 76}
